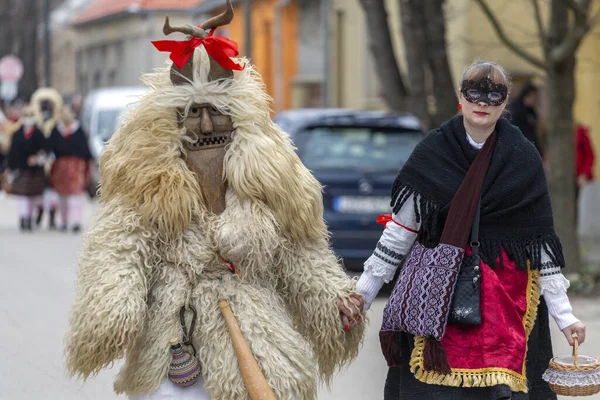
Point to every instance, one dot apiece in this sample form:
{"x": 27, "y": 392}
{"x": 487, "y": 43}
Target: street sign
{"x": 11, "y": 69}
{"x": 8, "y": 90}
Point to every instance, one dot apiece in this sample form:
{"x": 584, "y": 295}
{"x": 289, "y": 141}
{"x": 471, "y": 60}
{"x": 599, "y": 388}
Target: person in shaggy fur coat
{"x": 203, "y": 198}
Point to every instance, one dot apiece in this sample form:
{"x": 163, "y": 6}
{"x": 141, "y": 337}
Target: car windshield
{"x": 355, "y": 148}
{"x": 106, "y": 123}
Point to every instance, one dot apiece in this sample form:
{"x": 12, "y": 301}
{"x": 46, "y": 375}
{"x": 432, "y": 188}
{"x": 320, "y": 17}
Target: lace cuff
{"x": 368, "y": 286}
{"x": 571, "y": 379}
{"x": 381, "y": 269}
{"x": 554, "y": 284}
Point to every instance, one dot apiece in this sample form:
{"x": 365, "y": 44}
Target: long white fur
{"x": 153, "y": 248}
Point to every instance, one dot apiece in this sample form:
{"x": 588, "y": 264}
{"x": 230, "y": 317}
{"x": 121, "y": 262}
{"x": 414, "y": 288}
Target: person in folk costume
{"x": 203, "y": 198}
{"x": 505, "y": 355}
{"x": 4, "y": 145}
{"x": 71, "y": 167}
{"x": 47, "y": 103}
{"x": 25, "y": 167}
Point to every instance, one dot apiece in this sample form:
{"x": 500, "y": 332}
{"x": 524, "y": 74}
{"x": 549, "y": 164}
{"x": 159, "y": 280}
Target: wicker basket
{"x": 575, "y": 375}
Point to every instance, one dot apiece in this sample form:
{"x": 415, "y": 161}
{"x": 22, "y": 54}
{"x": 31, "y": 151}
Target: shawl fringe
{"x": 525, "y": 252}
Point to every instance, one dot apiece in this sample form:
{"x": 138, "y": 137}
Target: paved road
{"x": 36, "y": 290}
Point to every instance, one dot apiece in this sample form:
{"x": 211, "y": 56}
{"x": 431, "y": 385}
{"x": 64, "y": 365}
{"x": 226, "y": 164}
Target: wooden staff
{"x": 256, "y": 383}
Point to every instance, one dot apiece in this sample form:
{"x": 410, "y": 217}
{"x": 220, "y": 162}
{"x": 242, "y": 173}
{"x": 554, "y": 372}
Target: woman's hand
{"x": 351, "y": 309}
{"x": 577, "y": 328}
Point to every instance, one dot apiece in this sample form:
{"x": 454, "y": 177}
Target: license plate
{"x": 358, "y": 204}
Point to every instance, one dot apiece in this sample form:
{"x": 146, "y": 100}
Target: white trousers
{"x": 27, "y": 204}
{"x": 71, "y": 208}
{"x": 169, "y": 391}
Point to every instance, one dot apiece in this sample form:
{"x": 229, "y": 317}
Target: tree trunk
{"x": 415, "y": 45}
{"x": 443, "y": 88}
{"x": 382, "y": 50}
{"x": 561, "y": 143}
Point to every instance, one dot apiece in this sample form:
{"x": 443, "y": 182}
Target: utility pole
{"x": 325, "y": 5}
{"x": 248, "y": 28}
{"x": 47, "y": 45}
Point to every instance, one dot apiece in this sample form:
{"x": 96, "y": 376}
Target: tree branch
{"x": 506, "y": 40}
{"x": 580, "y": 28}
{"x": 575, "y": 6}
{"x": 540, "y": 25}
{"x": 594, "y": 19}
{"x": 569, "y": 46}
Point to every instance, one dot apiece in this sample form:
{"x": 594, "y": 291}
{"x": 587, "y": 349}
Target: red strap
{"x": 383, "y": 219}
{"x": 218, "y": 47}
{"x": 29, "y": 132}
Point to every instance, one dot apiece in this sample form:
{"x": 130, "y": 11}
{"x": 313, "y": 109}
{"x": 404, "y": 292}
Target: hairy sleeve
{"x": 312, "y": 282}
{"x": 111, "y": 291}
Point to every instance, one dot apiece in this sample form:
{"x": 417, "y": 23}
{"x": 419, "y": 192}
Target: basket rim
{"x": 574, "y": 368}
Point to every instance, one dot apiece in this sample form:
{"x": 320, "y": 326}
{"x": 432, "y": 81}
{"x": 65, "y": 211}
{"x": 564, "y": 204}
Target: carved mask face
{"x": 207, "y": 127}
{"x": 210, "y": 131}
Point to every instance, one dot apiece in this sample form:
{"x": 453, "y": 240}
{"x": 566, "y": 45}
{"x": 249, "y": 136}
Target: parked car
{"x": 356, "y": 156}
{"x": 99, "y": 114}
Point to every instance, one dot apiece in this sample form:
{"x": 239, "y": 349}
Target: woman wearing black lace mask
{"x": 475, "y": 158}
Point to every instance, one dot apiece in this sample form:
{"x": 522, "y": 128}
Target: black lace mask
{"x": 484, "y": 90}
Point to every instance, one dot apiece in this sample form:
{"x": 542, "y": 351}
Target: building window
{"x": 97, "y": 79}
{"x": 83, "y": 84}
{"x": 112, "y": 78}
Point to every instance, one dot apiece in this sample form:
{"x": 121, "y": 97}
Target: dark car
{"x": 356, "y": 156}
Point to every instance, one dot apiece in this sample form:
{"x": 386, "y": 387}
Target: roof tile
{"x": 104, "y": 8}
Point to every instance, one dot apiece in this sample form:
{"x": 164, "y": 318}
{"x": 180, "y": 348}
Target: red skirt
{"x": 69, "y": 175}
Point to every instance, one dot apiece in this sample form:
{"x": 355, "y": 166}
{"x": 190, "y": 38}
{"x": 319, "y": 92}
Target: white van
{"x": 99, "y": 115}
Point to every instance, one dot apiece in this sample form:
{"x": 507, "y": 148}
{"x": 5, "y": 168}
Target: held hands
{"x": 36, "y": 159}
{"x": 32, "y": 160}
{"x": 578, "y": 329}
{"x": 350, "y": 310}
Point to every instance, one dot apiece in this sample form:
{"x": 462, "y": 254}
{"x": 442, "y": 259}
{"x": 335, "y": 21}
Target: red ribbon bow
{"x": 383, "y": 219}
{"x": 218, "y": 47}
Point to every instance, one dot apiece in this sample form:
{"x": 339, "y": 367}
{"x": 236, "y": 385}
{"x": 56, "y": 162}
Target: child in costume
{"x": 47, "y": 104}
{"x": 25, "y": 172}
{"x": 203, "y": 198}
{"x": 70, "y": 170}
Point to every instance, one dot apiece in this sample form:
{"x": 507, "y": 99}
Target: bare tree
{"x": 437, "y": 56}
{"x": 415, "y": 45}
{"x": 380, "y": 44}
{"x": 569, "y": 22}
{"x": 428, "y": 71}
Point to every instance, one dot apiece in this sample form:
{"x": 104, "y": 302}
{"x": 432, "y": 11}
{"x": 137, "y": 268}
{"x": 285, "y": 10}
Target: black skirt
{"x": 29, "y": 182}
{"x": 401, "y": 384}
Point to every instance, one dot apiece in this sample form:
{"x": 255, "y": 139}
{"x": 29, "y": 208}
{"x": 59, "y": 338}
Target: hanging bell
{"x": 184, "y": 369}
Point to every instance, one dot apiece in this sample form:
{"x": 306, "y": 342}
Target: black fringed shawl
{"x": 516, "y": 213}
